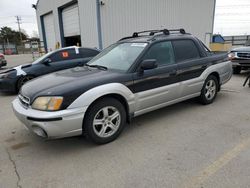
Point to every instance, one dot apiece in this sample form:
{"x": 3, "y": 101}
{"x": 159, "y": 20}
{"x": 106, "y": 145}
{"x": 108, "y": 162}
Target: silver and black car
{"x": 11, "y": 80}
{"x": 240, "y": 58}
{"x": 136, "y": 75}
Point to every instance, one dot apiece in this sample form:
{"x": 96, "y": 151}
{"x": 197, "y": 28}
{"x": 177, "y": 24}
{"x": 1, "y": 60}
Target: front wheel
{"x": 104, "y": 121}
{"x": 209, "y": 90}
{"x": 22, "y": 81}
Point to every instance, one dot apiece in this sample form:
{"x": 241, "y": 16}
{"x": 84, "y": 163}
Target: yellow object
{"x": 47, "y": 103}
{"x": 57, "y": 45}
{"x": 220, "y": 47}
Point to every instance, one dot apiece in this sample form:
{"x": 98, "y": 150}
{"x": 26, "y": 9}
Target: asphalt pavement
{"x": 186, "y": 145}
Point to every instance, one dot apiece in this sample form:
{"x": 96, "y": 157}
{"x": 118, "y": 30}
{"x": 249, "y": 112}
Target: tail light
{"x": 1, "y": 56}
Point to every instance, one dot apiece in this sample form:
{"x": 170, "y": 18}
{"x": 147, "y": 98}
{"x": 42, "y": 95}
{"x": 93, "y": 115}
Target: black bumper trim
{"x": 44, "y": 119}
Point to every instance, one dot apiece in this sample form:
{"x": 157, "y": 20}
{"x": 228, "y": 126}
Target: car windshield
{"x": 43, "y": 57}
{"x": 118, "y": 56}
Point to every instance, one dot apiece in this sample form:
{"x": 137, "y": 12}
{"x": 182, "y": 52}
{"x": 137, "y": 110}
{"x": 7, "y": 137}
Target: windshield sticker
{"x": 139, "y": 44}
{"x": 77, "y": 50}
{"x": 19, "y": 71}
{"x": 65, "y": 54}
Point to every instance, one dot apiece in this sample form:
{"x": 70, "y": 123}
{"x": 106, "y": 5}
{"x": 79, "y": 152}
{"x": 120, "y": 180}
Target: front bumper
{"x": 58, "y": 124}
{"x": 241, "y": 63}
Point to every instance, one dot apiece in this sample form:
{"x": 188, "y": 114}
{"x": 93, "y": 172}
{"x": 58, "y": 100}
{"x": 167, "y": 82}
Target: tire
{"x": 209, "y": 90}
{"x": 104, "y": 130}
{"x": 236, "y": 70}
{"x": 22, "y": 81}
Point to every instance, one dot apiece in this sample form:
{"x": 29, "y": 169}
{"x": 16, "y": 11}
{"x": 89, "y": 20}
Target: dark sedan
{"x": 11, "y": 80}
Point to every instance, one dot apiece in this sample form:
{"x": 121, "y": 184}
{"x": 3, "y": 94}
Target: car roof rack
{"x": 153, "y": 32}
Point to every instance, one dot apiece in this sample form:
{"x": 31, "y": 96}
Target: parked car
{"x": 3, "y": 61}
{"x": 11, "y": 80}
{"x": 240, "y": 58}
{"x": 134, "y": 76}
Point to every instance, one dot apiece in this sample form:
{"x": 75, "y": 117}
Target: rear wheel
{"x": 236, "y": 70}
{"x": 209, "y": 90}
{"x": 22, "y": 81}
{"x": 104, "y": 121}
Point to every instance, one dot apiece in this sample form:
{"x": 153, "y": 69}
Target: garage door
{"x": 70, "y": 18}
{"x": 49, "y": 31}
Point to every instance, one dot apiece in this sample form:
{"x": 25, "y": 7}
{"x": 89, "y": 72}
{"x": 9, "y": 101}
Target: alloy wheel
{"x": 210, "y": 89}
{"x": 106, "y": 121}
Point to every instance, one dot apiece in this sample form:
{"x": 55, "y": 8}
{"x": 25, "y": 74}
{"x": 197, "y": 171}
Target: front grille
{"x": 244, "y": 55}
{"x": 25, "y": 101}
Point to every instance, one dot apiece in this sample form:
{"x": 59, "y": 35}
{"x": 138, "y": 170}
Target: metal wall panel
{"x": 122, "y": 17}
{"x": 87, "y": 19}
{"x": 70, "y": 19}
{"x": 88, "y": 23}
{"x": 49, "y": 31}
{"x": 46, "y": 6}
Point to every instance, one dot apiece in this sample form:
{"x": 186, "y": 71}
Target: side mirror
{"x": 148, "y": 64}
{"x": 47, "y": 61}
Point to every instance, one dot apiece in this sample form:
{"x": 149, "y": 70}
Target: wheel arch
{"x": 22, "y": 76}
{"x": 116, "y": 90}
{"x": 216, "y": 74}
{"x": 116, "y": 96}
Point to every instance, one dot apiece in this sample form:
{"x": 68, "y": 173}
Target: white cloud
{"x": 232, "y": 17}
{"x": 11, "y": 8}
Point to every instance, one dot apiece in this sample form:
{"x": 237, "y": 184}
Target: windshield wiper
{"x": 97, "y": 66}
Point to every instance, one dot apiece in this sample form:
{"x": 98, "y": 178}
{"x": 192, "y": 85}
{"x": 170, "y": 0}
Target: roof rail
{"x": 153, "y": 32}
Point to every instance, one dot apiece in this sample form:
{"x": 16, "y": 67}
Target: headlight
{"x": 47, "y": 103}
{"x": 231, "y": 55}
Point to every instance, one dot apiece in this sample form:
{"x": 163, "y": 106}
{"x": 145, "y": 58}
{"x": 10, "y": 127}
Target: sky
{"x": 232, "y": 17}
{"x": 11, "y": 8}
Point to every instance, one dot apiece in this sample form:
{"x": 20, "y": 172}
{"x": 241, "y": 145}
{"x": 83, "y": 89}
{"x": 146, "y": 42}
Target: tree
{"x": 9, "y": 35}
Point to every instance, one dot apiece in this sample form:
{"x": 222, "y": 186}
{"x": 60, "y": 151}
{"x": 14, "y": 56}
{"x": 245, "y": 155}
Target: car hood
{"x": 17, "y": 68}
{"x": 71, "y": 83}
{"x": 242, "y": 49}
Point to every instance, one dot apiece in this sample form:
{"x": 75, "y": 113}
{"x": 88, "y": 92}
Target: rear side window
{"x": 64, "y": 55}
{"x": 185, "y": 50}
{"x": 162, "y": 52}
{"x": 88, "y": 52}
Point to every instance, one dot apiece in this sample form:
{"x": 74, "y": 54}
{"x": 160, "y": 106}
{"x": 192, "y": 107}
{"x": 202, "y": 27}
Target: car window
{"x": 64, "y": 55}
{"x": 87, "y": 52}
{"x": 185, "y": 50}
{"x": 119, "y": 56}
{"x": 162, "y": 52}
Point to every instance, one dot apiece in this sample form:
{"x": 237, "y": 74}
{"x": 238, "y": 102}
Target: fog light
{"x": 39, "y": 131}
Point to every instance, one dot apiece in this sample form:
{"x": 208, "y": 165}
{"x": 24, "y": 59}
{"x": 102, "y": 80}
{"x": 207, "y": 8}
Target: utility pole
{"x": 18, "y": 19}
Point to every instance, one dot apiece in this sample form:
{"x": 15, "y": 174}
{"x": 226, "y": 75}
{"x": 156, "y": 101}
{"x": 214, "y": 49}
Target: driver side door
{"x": 154, "y": 88}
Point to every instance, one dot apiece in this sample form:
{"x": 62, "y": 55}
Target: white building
{"x": 99, "y": 23}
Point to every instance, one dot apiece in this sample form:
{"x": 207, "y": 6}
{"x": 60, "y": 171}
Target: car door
{"x": 190, "y": 65}
{"x": 157, "y": 86}
{"x": 64, "y": 59}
